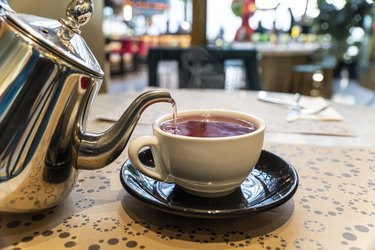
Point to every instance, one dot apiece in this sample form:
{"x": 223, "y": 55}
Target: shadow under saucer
{"x": 237, "y": 231}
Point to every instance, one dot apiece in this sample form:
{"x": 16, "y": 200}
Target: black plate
{"x": 272, "y": 182}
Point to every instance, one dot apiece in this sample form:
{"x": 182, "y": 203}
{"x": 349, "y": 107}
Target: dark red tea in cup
{"x": 208, "y": 126}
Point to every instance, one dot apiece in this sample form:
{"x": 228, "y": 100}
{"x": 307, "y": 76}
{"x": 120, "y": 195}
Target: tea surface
{"x": 210, "y": 126}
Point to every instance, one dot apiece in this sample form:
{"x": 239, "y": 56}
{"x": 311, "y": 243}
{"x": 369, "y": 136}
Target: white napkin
{"x": 316, "y": 103}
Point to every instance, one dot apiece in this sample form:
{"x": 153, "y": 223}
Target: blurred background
{"x": 326, "y": 47}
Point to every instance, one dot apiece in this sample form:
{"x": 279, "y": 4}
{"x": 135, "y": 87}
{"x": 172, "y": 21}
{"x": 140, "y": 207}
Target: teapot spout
{"x": 98, "y": 150}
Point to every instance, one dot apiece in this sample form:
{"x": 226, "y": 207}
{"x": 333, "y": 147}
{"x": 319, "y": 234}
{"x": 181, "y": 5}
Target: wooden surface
{"x": 198, "y": 32}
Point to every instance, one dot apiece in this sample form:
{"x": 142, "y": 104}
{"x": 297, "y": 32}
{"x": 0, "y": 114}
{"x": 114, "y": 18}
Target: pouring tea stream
{"x": 48, "y": 81}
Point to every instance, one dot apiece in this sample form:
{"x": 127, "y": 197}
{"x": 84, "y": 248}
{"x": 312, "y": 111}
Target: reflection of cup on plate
{"x": 210, "y": 154}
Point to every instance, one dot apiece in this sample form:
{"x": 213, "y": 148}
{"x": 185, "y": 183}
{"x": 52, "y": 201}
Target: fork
{"x": 294, "y": 110}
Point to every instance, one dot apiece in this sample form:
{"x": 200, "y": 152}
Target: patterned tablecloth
{"x": 333, "y": 208}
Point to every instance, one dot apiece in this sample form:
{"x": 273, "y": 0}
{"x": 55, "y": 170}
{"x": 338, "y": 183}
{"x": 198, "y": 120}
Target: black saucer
{"x": 272, "y": 182}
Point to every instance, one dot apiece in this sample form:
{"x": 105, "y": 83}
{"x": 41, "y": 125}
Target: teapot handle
{"x": 5, "y": 6}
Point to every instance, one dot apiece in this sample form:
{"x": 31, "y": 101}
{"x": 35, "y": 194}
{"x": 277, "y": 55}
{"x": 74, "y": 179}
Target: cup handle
{"x": 158, "y": 172}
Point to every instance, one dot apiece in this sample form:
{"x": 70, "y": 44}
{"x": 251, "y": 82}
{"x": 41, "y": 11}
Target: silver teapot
{"x": 48, "y": 80}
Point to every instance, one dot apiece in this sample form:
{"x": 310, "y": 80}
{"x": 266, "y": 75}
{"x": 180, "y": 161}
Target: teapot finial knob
{"x": 78, "y": 13}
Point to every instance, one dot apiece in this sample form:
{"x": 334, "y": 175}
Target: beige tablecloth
{"x": 244, "y": 101}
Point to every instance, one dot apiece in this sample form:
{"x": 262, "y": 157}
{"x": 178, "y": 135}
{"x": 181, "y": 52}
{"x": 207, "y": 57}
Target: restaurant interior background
{"x": 333, "y": 40}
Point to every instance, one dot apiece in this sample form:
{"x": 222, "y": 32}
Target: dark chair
{"x": 201, "y": 67}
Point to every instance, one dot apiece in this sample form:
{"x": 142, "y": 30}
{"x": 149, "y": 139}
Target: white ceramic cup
{"x": 208, "y": 167}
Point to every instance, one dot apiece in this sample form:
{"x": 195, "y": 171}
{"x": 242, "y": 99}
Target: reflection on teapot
{"x": 48, "y": 80}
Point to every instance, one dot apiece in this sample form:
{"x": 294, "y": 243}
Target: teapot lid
{"x": 61, "y": 37}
